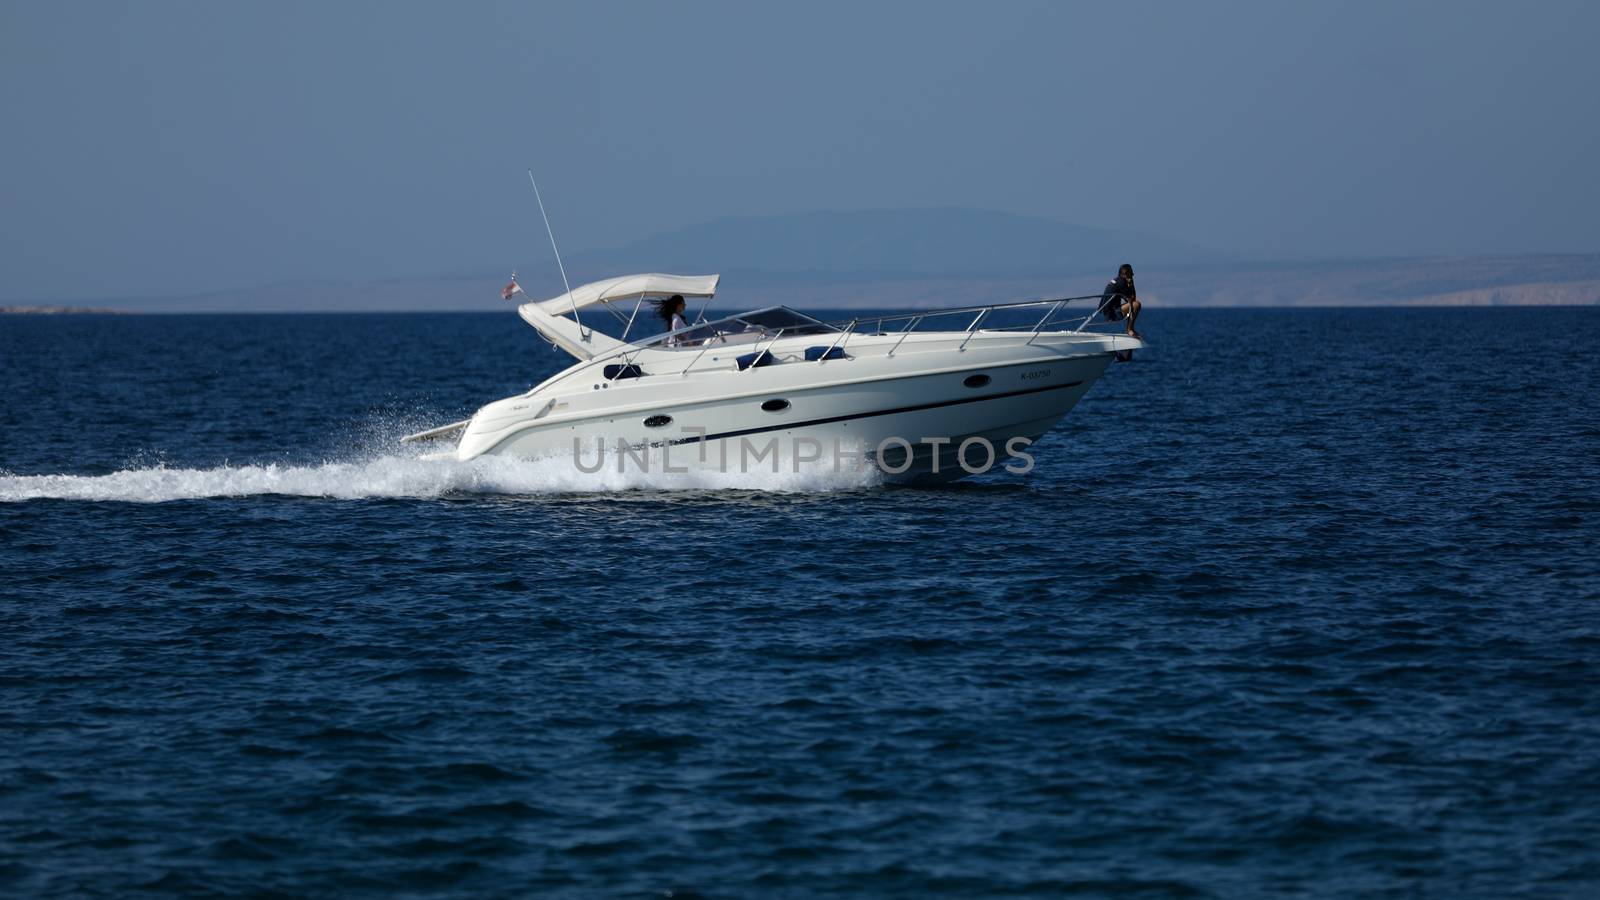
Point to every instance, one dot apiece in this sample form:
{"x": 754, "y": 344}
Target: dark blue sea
{"x": 1297, "y": 603}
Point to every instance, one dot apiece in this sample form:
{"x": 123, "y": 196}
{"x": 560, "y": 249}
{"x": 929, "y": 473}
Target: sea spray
{"x": 407, "y": 477}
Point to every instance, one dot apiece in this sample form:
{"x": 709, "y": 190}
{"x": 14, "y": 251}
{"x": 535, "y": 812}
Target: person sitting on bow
{"x": 1121, "y": 300}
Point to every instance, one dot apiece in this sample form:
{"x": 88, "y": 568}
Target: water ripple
{"x": 1317, "y": 618}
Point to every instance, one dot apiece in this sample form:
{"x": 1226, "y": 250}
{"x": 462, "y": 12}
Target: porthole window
{"x": 658, "y": 421}
{"x": 976, "y": 381}
{"x": 775, "y": 405}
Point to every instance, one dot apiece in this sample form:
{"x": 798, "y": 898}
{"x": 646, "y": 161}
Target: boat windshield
{"x": 744, "y": 328}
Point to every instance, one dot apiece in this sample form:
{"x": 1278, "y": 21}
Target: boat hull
{"x": 912, "y": 426}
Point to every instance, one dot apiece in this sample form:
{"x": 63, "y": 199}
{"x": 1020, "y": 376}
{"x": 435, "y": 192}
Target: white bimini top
{"x": 631, "y": 287}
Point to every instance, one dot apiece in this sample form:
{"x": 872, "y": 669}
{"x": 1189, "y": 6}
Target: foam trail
{"x": 395, "y": 476}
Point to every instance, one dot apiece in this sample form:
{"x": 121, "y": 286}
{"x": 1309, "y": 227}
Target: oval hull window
{"x": 775, "y": 405}
{"x": 658, "y": 421}
{"x": 976, "y": 381}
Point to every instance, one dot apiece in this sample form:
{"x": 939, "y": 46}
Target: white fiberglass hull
{"x": 928, "y": 398}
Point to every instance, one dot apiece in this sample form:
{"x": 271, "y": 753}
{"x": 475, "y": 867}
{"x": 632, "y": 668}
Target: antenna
{"x": 548, "y": 230}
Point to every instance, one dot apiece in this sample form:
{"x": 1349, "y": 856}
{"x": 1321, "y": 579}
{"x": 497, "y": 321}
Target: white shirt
{"x": 676, "y": 323}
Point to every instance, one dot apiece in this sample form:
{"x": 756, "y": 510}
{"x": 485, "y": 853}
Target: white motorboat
{"x": 774, "y": 386}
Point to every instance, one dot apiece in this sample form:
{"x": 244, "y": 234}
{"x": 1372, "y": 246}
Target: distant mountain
{"x": 889, "y": 244}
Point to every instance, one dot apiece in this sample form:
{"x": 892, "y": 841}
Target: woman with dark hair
{"x": 671, "y": 311}
{"x": 1121, "y": 300}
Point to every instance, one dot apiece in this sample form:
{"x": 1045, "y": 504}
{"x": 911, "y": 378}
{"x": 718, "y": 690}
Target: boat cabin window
{"x": 788, "y": 320}
{"x": 747, "y": 328}
{"x": 695, "y": 337}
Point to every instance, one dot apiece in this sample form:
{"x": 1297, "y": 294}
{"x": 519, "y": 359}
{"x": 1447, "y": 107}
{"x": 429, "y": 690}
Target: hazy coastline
{"x": 1477, "y": 281}
{"x": 65, "y": 311}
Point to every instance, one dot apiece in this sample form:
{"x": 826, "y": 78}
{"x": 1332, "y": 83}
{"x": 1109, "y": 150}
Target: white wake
{"x": 414, "y": 477}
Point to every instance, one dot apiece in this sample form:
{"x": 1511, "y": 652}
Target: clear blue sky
{"x": 161, "y": 148}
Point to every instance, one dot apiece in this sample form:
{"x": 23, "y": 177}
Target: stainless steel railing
{"x": 1051, "y": 309}
{"x": 1053, "y": 316}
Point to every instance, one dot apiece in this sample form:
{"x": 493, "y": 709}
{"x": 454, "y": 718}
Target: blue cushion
{"x": 755, "y": 360}
{"x": 617, "y": 372}
{"x": 815, "y": 353}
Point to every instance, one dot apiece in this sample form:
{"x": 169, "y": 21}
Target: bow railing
{"x": 1033, "y": 316}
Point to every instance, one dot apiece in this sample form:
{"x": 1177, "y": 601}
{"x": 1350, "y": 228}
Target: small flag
{"x": 510, "y": 290}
